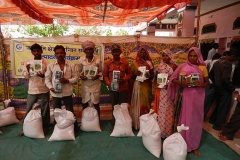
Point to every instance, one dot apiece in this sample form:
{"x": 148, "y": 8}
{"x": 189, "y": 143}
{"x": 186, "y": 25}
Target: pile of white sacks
{"x": 174, "y": 147}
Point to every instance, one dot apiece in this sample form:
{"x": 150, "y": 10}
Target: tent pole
{"x": 198, "y": 19}
{"x": 4, "y": 69}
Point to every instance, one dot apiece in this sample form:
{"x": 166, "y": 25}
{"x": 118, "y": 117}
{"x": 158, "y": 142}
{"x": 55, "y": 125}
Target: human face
{"x": 142, "y": 54}
{"x": 165, "y": 58}
{"x": 116, "y": 53}
{"x": 192, "y": 57}
{"x": 60, "y": 54}
{"x": 37, "y": 53}
{"x": 89, "y": 52}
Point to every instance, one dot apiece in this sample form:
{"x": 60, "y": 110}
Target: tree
{"x": 121, "y": 32}
{"x": 47, "y": 30}
{"x": 109, "y": 32}
{"x": 91, "y": 30}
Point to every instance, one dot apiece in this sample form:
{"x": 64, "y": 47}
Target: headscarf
{"x": 139, "y": 60}
{"x": 188, "y": 68}
{"x": 200, "y": 60}
{"x": 88, "y": 44}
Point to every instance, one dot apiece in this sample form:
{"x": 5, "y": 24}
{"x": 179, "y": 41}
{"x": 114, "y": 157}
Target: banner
{"x": 20, "y": 52}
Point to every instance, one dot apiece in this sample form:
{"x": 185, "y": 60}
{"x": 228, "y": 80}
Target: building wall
{"x": 224, "y": 20}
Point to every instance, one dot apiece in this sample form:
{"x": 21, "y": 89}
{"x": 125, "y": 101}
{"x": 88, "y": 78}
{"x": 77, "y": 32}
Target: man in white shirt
{"x": 91, "y": 84}
{"x": 37, "y": 89}
{"x": 212, "y": 51}
{"x": 59, "y": 78}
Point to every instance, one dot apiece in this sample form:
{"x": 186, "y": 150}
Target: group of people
{"x": 224, "y": 77}
{"x": 180, "y": 101}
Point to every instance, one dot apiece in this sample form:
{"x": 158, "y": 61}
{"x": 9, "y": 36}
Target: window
{"x": 236, "y": 23}
{"x": 209, "y": 28}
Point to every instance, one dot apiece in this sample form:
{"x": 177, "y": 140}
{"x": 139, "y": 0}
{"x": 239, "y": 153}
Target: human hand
{"x": 185, "y": 84}
{"x": 83, "y": 77}
{"x": 238, "y": 98}
{"x": 147, "y": 75}
{"x": 28, "y": 67}
{"x": 52, "y": 89}
{"x": 95, "y": 77}
{"x": 138, "y": 73}
{"x": 40, "y": 74}
{"x": 120, "y": 80}
{"x": 63, "y": 80}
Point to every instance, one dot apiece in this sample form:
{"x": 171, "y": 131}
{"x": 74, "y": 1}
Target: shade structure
{"x": 85, "y": 12}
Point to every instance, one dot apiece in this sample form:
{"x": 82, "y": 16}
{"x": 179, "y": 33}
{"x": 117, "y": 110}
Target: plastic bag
{"x": 123, "y": 123}
{"x": 143, "y": 119}
{"x": 175, "y": 147}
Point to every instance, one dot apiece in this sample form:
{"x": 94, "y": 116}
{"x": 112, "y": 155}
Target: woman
{"x": 142, "y": 91}
{"x": 189, "y": 97}
{"x": 162, "y": 105}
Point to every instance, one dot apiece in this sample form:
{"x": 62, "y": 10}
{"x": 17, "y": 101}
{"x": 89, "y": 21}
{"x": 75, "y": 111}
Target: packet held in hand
{"x": 162, "y": 79}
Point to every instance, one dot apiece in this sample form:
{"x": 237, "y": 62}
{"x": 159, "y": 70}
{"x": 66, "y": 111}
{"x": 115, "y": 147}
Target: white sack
{"x": 32, "y": 125}
{"x": 64, "y": 118}
{"x": 90, "y": 120}
{"x": 151, "y": 136}
{"x": 62, "y": 134}
{"x": 8, "y": 116}
{"x": 143, "y": 119}
{"x": 123, "y": 123}
{"x": 175, "y": 147}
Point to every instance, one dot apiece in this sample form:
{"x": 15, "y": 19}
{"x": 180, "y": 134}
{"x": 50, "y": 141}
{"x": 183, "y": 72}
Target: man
{"x": 230, "y": 128}
{"x": 64, "y": 74}
{"x": 212, "y": 51}
{"x": 220, "y": 75}
{"x": 91, "y": 84}
{"x": 117, "y": 65}
{"x": 37, "y": 89}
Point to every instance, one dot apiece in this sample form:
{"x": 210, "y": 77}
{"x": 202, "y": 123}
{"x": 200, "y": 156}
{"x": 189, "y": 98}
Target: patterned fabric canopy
{"x": 85, "y": 12}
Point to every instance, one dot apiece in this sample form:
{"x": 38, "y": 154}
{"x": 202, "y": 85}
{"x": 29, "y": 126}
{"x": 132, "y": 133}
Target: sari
{"x": 142, "y": 91}
{"x": 189, "y": 103}
{"x": 162, "y": 105}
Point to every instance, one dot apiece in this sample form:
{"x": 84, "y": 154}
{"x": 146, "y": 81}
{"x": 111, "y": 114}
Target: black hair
{"x": 59, "y": 47}
{"x": 35, "y": 46}
{"x": 214, "y": 45}
{"x": 227, "y": 53}
{"x": 216, "y": 56}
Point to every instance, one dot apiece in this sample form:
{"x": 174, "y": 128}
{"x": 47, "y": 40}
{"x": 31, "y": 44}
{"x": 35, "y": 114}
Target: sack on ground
{"x": 175, "y": 147}
{"x": 62, "y": 134}
{"x": 143, "y": 119}
{"x": 8, "y": 116}
{"x": 32, "y": 125}
{"x": 123, "y": 121}
{"x": 64, "y": 118}
{"x": 90, "y": 120}
{"x": 64, "y": 129}
{"x": 151, "y": 136}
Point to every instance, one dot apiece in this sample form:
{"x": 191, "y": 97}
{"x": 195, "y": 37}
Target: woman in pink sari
{"x": 189, "y": 98}
{"x": 142, "y": 90}
{"x": 162, "y": 105}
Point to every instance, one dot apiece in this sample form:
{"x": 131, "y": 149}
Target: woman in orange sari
{"x": 142, "y": 90}
{"x": 162, "y": 105}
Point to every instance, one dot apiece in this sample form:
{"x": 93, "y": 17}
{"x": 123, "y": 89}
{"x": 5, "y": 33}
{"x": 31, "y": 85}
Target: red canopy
{"x": 85, "y": 12}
